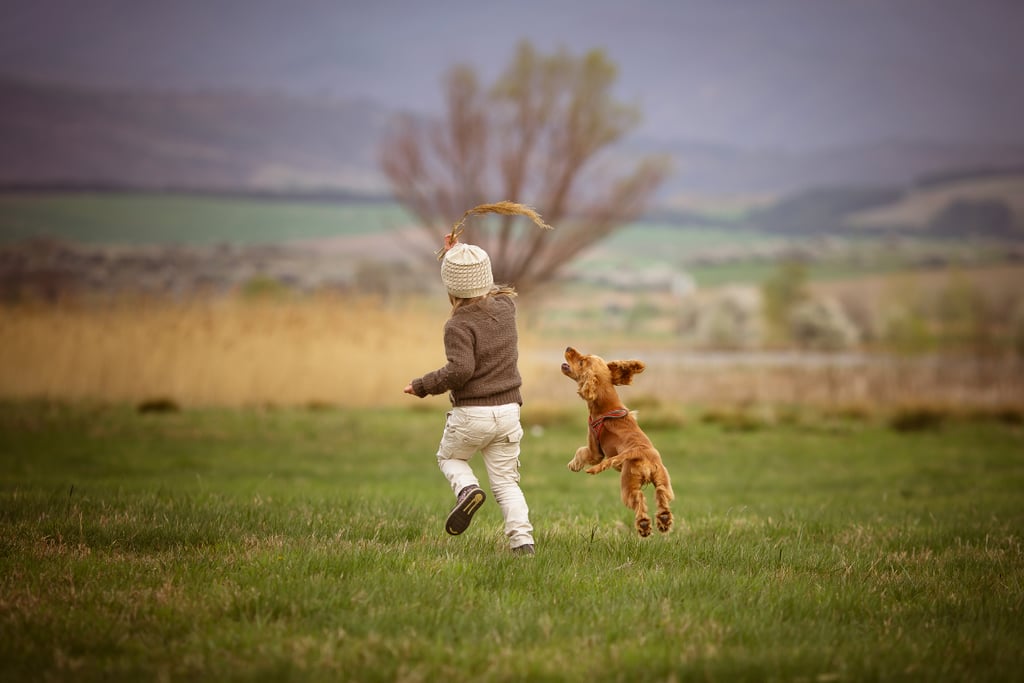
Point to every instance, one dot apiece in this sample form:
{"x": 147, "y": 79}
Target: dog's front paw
{"x": 594, "y": 469}
{"x": 579, "y": 459}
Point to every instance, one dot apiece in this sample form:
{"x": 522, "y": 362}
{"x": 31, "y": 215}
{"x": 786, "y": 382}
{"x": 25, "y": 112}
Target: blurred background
{"x": 771, "y": 203}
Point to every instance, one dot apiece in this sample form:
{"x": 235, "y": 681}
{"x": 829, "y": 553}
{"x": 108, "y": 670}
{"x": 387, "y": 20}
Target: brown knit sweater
{"x": 482, "y": 346}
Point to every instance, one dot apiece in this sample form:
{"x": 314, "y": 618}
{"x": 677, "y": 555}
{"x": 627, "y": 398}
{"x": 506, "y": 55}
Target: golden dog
{"x": 616, "y": 439}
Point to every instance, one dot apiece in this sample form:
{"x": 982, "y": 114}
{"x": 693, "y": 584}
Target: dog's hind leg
{"x": 633, "y": 497}
{"x": 664, "y": 495}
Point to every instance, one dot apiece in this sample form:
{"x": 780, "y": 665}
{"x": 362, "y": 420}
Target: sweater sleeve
{"x": 459, "y": 346}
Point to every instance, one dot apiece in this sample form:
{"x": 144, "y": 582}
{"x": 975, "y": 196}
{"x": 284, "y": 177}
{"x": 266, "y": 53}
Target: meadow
{"x": 307, "y": 544}
{"x": 235, "y": 488}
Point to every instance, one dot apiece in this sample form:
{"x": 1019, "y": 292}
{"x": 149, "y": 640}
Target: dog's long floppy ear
{"x": 588, "y": 385}
{"x": 623, "y": 370}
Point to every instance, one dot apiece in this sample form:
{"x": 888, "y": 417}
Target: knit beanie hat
{"x": 466, "y": 271}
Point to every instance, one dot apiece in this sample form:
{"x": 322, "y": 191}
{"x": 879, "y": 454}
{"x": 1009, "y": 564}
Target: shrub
{"x": 263, "y": 288}
{"x": 917, "y": 419}
{"x": 786, "y": 288}
{"x": 730, "y": 320}
{"x": 669, "y": 418}
{"x": 158, "y": 405}
{"x": 821, "y": 324}
{"x": 1016, "y": 330}
{"x": 741, "y": 418}
{"x": 907, "y": 331}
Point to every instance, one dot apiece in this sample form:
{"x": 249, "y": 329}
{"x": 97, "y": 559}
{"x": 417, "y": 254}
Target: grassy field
{"x": 308, "y": 545}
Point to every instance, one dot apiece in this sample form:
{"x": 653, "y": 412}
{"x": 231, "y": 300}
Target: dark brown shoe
{"x": 470, "y": 500}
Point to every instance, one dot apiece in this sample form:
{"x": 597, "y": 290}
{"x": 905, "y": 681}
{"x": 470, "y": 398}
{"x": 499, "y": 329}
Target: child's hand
{"x": 450, "y": 241}
{"x": 408, "y": 389}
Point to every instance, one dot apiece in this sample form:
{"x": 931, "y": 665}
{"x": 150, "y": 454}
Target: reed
{"x": 352, "y": 351}
{"x": 325, "y": 350}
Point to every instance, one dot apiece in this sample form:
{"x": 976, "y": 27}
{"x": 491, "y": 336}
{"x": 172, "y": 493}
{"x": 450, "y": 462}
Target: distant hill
{"x": 938, "y": 207}
{"x": 961, "y": 205}
{"x": 216, "y": 140}
{"x": 220, "y": 140}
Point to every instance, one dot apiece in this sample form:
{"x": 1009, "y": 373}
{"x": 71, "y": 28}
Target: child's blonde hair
{"x": 496, "y": 290}
{"x": 466, "y": 268}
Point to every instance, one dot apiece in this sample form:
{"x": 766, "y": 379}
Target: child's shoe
{"x": 470, "y": 500}
{"x": 525, "y": 549}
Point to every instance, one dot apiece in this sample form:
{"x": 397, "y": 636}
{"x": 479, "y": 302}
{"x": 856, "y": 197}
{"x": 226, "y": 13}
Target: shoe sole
{"x": 459, "y": 518}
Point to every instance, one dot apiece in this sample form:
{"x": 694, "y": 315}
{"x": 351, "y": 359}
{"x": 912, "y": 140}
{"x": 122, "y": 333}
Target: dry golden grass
{"x": 329, "y": 351}
{"x": 872, "y": 388}
{"x": 232, "y": 352}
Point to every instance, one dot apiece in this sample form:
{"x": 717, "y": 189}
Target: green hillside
{"x": 984, "y": 205}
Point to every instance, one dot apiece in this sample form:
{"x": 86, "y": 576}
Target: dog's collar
{"x": 597, "y": 423}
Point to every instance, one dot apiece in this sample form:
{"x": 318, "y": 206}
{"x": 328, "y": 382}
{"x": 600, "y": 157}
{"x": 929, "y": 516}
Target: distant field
{"x": 140, "y": 219}
{"x": 150, "y": 219}
{"x": 137, "y": 219}
{"x": 665, "y": 240}
{"x": 829, "y": 271}
{"x": 644, "y": 244}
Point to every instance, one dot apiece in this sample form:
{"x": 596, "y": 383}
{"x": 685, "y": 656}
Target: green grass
{"x": 135, "y": 219}
{"x": 308, "y": 545}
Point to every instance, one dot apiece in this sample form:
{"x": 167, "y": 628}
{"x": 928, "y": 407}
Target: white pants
{"x": 495, "y": 431}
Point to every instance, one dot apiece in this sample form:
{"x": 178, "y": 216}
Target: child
{"x": 482, "y": 376}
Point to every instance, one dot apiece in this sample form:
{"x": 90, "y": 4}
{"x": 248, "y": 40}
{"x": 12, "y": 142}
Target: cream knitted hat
{"x": 466, "y": 271}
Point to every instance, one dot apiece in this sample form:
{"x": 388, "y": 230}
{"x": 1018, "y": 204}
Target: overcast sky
{"x": 790, "y": 73}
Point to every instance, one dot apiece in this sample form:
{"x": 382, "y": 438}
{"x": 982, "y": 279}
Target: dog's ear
{"x": 588, "y": 385}
{"x": 623, "y": 370}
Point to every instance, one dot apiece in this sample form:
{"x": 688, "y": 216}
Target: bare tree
{"x": 533, "y": 137}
